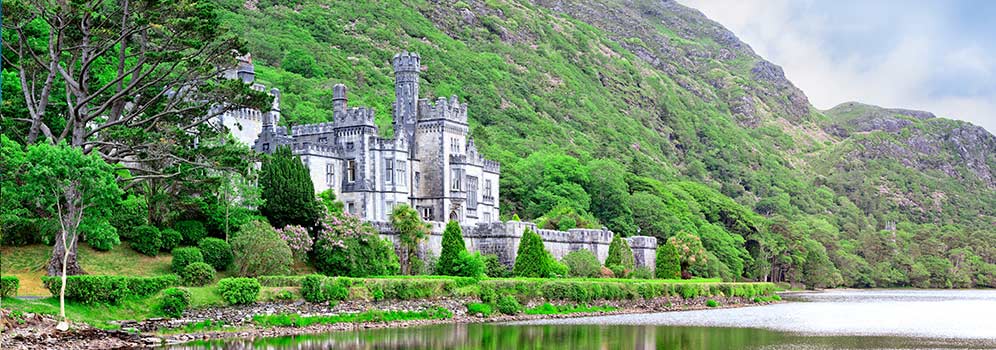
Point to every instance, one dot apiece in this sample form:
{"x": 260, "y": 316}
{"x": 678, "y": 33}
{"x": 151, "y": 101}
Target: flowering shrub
{"x": 297, "y": 239}
{"x": 345, "y": 246}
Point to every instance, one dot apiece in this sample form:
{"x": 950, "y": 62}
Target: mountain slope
{"x": 666, "y": 92}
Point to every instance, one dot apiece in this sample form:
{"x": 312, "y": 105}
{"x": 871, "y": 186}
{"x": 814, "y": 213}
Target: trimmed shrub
{"x": 468, "y": 265}
{"x": 258, "y": 250}
{"x": 494, "y": 268}
{"x": 453, "y": 246}
{"x": 175, "y": 301}
{"x": 217, "y": 253}
{"x": 239, "y": 290}
{"x": 508, "y": 305}
{"x": 484, "y": 310}
{"x": 170, "y": 239}
{"x": 101, "y": 235}
{"x": 89, "y": 289}
{"x": 197, "y": 274}
{"x": 532, "y": 259}
{"x": 185, "y": 256}
{"x": 620, "y": 254}
{"x": 668, "y": 262}
{"x": 132, "y": 213}
{"x": 318, "y": 288}
{"x": 582, "y": 263}
{"x": 9, "y": 286}
{"x": 642, "y": 273}
{"x": 280, "y": 281}
{"x": 192, "y": 231}
{"x": 146, "y": 240}
{"x": 712, "y": 303}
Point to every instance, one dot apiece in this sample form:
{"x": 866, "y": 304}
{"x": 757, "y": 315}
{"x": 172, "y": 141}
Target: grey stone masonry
{"x": 502, "y": 239}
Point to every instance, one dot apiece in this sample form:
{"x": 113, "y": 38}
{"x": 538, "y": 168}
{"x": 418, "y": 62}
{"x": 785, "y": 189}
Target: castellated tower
{"x": 406, "y": 70}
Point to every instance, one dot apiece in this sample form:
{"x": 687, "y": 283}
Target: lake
{"x": 851, "y": 319}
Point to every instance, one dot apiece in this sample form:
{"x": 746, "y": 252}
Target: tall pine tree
{"x": 287, "y": 190}
{"x": 453, "y": 246}
{"x": 532, "y": 259}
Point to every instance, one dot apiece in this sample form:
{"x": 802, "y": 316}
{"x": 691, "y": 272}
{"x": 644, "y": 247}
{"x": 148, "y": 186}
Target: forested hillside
{"x": 648, "y": 118}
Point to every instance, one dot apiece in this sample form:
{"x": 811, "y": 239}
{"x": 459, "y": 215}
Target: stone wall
{"x": 502, "y": 239}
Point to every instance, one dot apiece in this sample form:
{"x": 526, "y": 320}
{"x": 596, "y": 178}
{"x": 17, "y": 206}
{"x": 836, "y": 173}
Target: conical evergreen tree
{"x": 668, "y": 262}
{"x": 453, "y": 246}
{"x": 287, "y": 190}
{"x": 620, "y": 254}
{"x": 532, "y": 259}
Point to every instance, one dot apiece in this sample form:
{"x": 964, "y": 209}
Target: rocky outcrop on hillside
{"x": 698, "y": 53}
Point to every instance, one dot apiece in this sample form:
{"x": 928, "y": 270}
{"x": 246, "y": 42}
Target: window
{"x": 402, "y": 177}
{"x": 329, "y": 174}
{"x": 351, "y": 170}
{"x": 323, "y": 140}
{"x": 351, "y": 208}
{"x": 349, "y": 145}
{"x": 418, "y": 176}
{"x": 266, "y": 147}
{"x": 487, "y": 216}
{"x": 471, "y": 192}
{"x": 389, "y": 171}
{"x": 454, "y": 145}
{"x": 455, "y": 179}
{"x": 487, "y": 188}
{"x": 426, "y": 213}
{"x": 390, "y": 206}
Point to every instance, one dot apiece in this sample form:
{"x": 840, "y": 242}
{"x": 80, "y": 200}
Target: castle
{"x": 430, "y": 163}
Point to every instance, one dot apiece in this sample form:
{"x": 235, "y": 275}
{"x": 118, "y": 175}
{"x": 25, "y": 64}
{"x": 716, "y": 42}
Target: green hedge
{"x": 320, "y": 288}
{"x": 185, "y": 256}
{"x": 175, "y": 301}
{"x": 585, "y": 291}
{"x": 281, "y": 281}
{"x": 89, "y": 289}
{"x": 239, "y": 290}
{"x": 9, "y": 286}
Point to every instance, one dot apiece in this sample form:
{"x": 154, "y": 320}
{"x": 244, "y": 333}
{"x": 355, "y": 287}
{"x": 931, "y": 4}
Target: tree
{"x": 69, "y": 185}
{"x": 532, "y": 259}
{"x": 411, "y": 231}
{"x": 668, "y": 263}
{"x": 287, "y": 191}
{"x": 453, "y": 246}
{"x": 690, "y": 250}
{"x": 610, "y": 196}
{"x": 620, "y": 254}
{"x": 132, "y": 81}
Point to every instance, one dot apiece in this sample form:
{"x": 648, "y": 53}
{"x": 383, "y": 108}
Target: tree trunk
{"x": 59, "y": 252}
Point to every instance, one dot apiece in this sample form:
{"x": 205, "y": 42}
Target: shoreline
{"x": 44, "y": 336}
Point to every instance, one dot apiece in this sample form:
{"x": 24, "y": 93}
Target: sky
{"x": 933, "y": 55}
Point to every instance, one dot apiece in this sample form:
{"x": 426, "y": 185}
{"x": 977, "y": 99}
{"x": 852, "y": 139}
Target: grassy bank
{"x": 572, "y": 295}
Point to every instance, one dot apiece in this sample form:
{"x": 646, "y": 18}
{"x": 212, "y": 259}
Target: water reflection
{"x": 557, "y": 337}
{"x": 835, "y": 320}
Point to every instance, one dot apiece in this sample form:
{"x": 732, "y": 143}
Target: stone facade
{"x": 502, "y": 239}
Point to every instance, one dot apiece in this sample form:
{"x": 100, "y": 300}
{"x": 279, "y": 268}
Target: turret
{"x": 338, "y": 101}
{"x": 272, "y": 117}
{"x": 406, "y": 70}
{"x": 245, "y": 70}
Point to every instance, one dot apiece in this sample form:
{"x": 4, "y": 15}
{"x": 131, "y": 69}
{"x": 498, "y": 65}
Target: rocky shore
{"x": 32, "y": 331}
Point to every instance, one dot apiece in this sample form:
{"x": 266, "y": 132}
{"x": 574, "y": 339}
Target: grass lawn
{"x": 94, "y": 314}
{"x": 28, "y": 264}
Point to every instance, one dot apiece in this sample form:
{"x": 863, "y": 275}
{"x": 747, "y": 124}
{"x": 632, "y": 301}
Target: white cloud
{"x": 854, "y": 56}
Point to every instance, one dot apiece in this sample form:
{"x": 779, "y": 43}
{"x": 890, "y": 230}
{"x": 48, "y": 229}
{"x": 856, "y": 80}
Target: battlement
{"x": 355, "y": 116}
{"x": 308, "y": 148}
{"x": 450, "y": 109}
{"x": 309, "y": 129}
{"x": 406, "y": 62}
